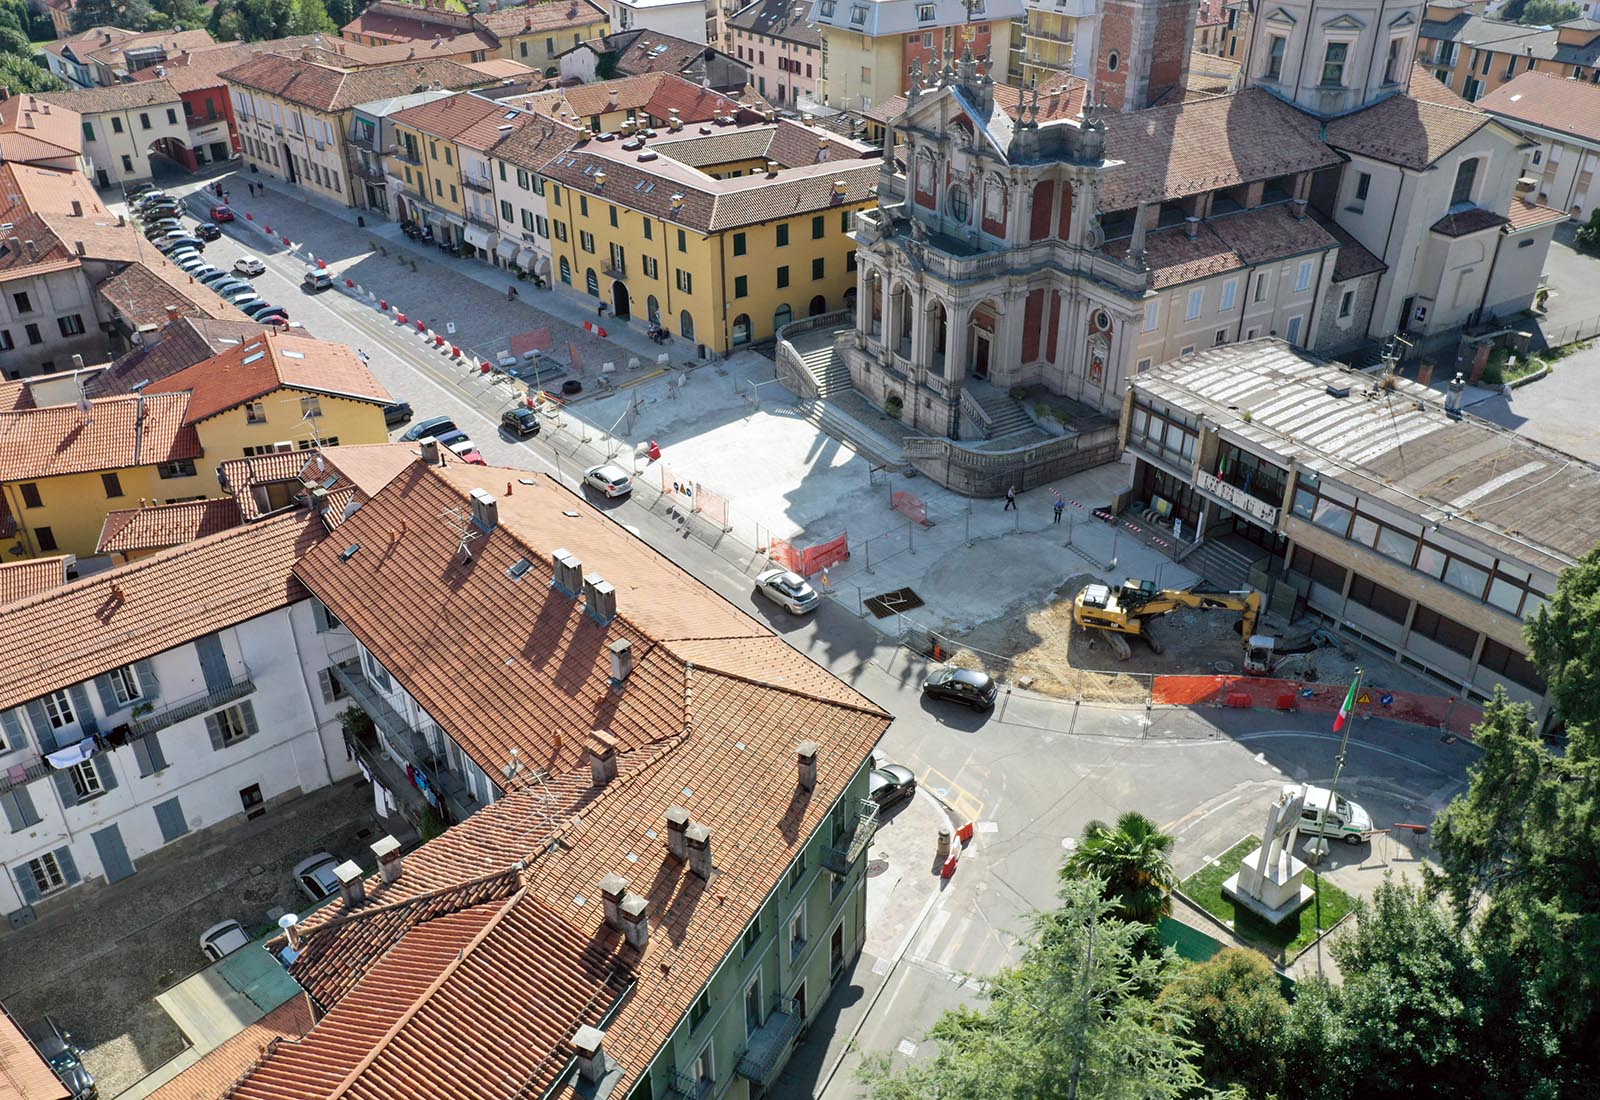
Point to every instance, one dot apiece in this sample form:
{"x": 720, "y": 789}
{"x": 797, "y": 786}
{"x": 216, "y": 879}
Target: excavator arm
{"x": 1248, "y": 603}
{"x": 1127, "y": 610}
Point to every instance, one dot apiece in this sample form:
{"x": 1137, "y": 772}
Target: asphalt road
{"x": 1030, "y": 776}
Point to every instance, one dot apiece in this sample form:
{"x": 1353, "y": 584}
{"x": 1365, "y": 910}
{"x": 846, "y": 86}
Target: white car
{"x": 248, "y": 266}
{"x": 789, "y": 590}
{"x": 315, "y": 876}
{"x": 1343, "y": 820}
{"x": 611, "y": 480}
{"x": 222, "y": 940}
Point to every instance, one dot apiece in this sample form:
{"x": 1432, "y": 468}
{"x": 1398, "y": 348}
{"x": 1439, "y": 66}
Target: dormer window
{"x": 1333, "y": 62}
{"x": 827, "y": 9}
{"x": 925, "y": 13}
{"x": 858, "y": 15}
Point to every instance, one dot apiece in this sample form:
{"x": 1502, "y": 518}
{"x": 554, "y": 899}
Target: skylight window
{"x": 519, "y": 568}
{"x": 251, "y": 358}
{"x": 294, "y": 354}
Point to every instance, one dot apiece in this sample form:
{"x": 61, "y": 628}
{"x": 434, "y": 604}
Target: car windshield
{"x": 1342, "y": 808}
{"x": 62, "y": 1060}
{"x": 882, "y": 779}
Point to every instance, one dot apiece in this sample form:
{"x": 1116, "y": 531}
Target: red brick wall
{"x": 1064, "y": 230}
{"x": 1044, "y": 194}
{"x": 1169, "y": 60}
{"x": 1116, "y": 37}
{"x": 1165, "y": 59}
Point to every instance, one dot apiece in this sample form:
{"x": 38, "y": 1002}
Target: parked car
{"x": 396, "y": 412}
{"x": 237, "y": 298}
{"x": 315, "y": 280}
{"x": 467, "y": 451}
{"x": 212, "y": 277}
{"x": 157, "y": 211}
{"x": 164, "y": 227}
{"x": 223, "y": 939}
{"x": 1344, "y": 820}
{"x": 231, "y": 284}
{"x": 65, "y": 1058}
{"x": 788, "y": 590}
{"x": 248, "y": 266}
{"x": 315, "y": 876}
{"x": 245, "y": 305}
{"x": 207, "y": 231}
{"x": 962, "y": 685}
{"x": 169, "y": 244}
{"x": 609, "y": 479}
{"x": 146, "y": 196}
{"x": 274, "y": 316}
{"x": 256, "y": 311}
{"x": 520, "y": 421}
{"x": 133, "y": 194}
{"x": 221, "y": 214}
{"x": 187, "y": 259}
{"x": 891, "y": 784}
{"x": 452, "y": 438}
{"x": 433, "y": 426}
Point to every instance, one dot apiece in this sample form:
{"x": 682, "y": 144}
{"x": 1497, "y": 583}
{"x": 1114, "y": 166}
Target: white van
{"x": 1346, "y": 820}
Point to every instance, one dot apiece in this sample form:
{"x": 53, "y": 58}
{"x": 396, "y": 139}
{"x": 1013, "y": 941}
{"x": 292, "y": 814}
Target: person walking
{"x": 1011, "y": 499}
{"x": 1060, "y": 504}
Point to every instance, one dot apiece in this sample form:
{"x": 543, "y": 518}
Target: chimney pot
{"x": 612, "y": 890}
{"x": 602, "y": 757}
{"x": 352, "y": 886}
{"x": 1297, "y": 208}
{"x": 1191, "y": 227}
{"x": 677, "y": 825}
{"x": 599, "y": 598}
{"x": 593, "y": 1063}
{"x": 77, "y": 212}
{"x": 806, "y": 757}
{"x": 621, "y": 661}
{"x": 568, "y": 576}
{"x": 697, "y": 838}
{"x": 635, "y": 914}
{"x": 430, "y": 450}
{"x": 485, "y": 511}
{"x": 390, "y": 860}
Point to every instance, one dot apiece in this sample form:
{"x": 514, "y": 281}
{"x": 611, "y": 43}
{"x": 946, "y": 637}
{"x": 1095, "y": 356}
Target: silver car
{"x": 221, "y": 940}
{"x": 609, "y": 479}
{"x": 789, "y": 590}
{"x": 315, "y": 876}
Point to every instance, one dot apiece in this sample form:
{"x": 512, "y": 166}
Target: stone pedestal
{"x": 1274, "y": 891}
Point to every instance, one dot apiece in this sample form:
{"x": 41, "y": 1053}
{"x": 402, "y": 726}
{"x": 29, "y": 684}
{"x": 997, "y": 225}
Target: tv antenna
{"x": 458, "y": 521}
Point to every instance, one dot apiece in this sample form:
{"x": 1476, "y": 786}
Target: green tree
{"x": 1564, "y": 638}
{"x": 1542, "y": 13}
{"x": 1132, "y": 861}
{"x": 1589, "y": 234}
{"x": 19, "y": 68}
{"x": 310, "y": 17}
{"x": 1313, "y": 1036}
{"x": 1236, "y": 1014}
{"x": 1066, "y": 1023}
{"x": 129, "y": 14}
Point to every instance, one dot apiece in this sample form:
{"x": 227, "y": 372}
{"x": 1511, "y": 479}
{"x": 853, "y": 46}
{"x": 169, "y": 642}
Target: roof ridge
{"x": 345, "y": 919}
{"x": 444, "y": 975}
{"x": 787, "y": 690}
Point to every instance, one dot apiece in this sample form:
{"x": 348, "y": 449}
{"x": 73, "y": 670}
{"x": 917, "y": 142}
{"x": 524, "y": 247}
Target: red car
{"x": 221, "y": 214}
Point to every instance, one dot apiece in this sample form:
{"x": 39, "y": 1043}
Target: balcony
{"x": 853, "y": 839}
{"x": 690, "y": 1088}
{"x": 1048, "y": 36}
{"x": 372, "y": 173}
{"x": 483, "y": 218}
{"x": 20, "y": 775}
{"x": 362, "y": 139}
{"x": 404, "y": 155}
{"x": 615, "y": 270}
{"x": 769, "y": 1043}
{"x": 191, "y": 707}
{"x": 481, "y": 184}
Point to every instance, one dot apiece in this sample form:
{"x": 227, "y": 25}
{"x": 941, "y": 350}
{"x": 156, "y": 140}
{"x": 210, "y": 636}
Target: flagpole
{"x": 1319, "y": 845}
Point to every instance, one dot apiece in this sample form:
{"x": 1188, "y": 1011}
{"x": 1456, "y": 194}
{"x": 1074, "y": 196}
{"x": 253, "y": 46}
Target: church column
{"x": 955, "y": 343}
{"x": 1008, "y": 353}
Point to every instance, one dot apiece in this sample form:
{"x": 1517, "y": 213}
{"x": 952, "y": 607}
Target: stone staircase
{"x": 1002, "y": 415}
{"x": 822, "y": 362}
{"x": 874, "y": 446}
{"x": 1222, "y": 565}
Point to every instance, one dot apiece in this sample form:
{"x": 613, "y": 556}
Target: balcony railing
{"x": 690, "y": 1088}
{"x": 478, "y": 183}
{"x": 373, "y": 173}
{"x": 194, "y": 705}
{"x": 1048, "y": 36}
{"x": 361, "y": 139}
{"x": 479, "y": 217}
{"x": 853, "y": 840}
{"x": 20, "y": 775}
{"x": 405, "y": 155}
{"x": 615, "y": 271}
{"x": 769, "y": 1043}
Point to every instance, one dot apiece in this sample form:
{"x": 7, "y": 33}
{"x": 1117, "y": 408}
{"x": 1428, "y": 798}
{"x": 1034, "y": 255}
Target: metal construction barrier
{"x": 910, "y": 505}
{"x": 813, "y": 559}
{"x": 1264, "y": 693}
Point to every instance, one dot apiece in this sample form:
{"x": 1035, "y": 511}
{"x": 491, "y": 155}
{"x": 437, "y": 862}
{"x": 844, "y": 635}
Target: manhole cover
{"x": 876, "y": 867}
{"x": 889, "y": 603}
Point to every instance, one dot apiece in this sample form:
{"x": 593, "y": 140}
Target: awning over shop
{"x": 525, "y": 259}
{"x": 506, "y": 249}
{"x": 477, "y": 237}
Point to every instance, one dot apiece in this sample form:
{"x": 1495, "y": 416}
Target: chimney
{"x": 772, "y": 168}
{"x": 1525, "y": 185}
{"x": 1297, "y": 208}
{"x": 290, "y": 925}
{"x": 602, "y": 757}
{"x": 593, "y": 1062}
{"x": 33, "y": 249}
{"x": 319, "y": 500}
{"x": 485, "y": 510}
{"x": 635, "y": 914}
{"x": 352, "y": 887}
{"x": 673, "y": 121}
{"x": 840, "y": 188}
{"x": 621, "y": 661}
{"x": 172, "y": 313}
{"x": 1191, "y": 227}
{"x": 677, "y": 824}
{"x": 430, "y": 450}
{"x": 698, "y": 840}
{"x": 77, "y": 246}
{"x": 390, "y": 861}
{"x": 568, "y": 577}
{"x": 612, "y": 890}
{"x": 599, "y": 598}
{"x": 599, "y": 181}
{"x": 77, "y": 212}
{"x": 805, "y": 755}
{"x": 677, "y": 203}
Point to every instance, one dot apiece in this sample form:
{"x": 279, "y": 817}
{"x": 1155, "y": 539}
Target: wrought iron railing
{"x": 184, "y": 709}
{"x": 853, "y": 840}
{"x": 770, "y": 1042}
{"x": 689, "y": 1088}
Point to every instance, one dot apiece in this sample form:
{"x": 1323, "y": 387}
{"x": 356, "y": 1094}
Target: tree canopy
{"x": 1542, "y": 13}
{"x": 19, "y": 71}
{"x": 1132, "y": 860}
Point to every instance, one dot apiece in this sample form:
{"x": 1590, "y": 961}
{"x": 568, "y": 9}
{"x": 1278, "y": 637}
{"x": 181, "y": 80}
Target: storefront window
{"x": 1256, "y": 476}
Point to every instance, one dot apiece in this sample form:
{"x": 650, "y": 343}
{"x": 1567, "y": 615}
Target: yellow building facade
{"x": 1047, "y": 45}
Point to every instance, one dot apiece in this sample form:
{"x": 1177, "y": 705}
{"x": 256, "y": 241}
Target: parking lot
{"x": 95, "y": 959}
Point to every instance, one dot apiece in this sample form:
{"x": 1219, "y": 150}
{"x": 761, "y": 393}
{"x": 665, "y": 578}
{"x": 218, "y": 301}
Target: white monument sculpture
{"x": 1270, "y": 882}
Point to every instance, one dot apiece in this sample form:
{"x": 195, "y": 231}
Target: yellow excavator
{"x": 1127, "y": 610}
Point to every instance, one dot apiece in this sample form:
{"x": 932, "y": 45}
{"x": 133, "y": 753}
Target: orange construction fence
{"x": 1263, "y": 693}
{"x": 813, "y": 559}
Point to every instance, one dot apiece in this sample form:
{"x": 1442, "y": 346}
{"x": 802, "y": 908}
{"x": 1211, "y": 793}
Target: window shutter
{"x": 19, "y": 808}
{"x": 249, "y": 712}
{"x": 107, "y": 774}
{"x": 149, "y": 686}
{"x": 108, "y": 696}
{"x": 82, "y": 711}
{"x": 325, "y": 679}
{"x": 41, "y": 726}
{"x": 170, "y": 819}
{"x": 147, "y": 751}
{"x": 14, "y": 737}
{"x": 64, "y": 787}
{"x": 213, "y": 662}
{"x": 25, "y": 884}
{"x": 69, "y": 868}
{"x": 214, "y": 728}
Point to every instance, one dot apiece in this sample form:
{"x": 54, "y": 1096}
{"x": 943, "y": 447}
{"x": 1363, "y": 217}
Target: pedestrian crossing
{"x": 963, "y": 946}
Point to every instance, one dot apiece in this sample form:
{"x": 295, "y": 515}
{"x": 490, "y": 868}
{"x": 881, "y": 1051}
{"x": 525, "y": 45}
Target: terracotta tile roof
{"x": 646, "y": 51}
{"x": 1550, "y": 102}
{"x": 398, "y": 22}
{"x": 59, "y": 439}
{"x": 86, "y": 42}
{"x": 710, "y": 205}
{"x": 692, "y": 102}
{"x": 1354, "y": 260}
{"x": 267, "y": 363}
{"x": 458, "y": 115}
{"x": 657, "y": 94}
{"x": 458, "y": 48}
{"x": 142, "y": 296}
{"x": 15, "y": 394}
{"x": 24, "y": 1075}
{"x": 48, "y": 253}
{"x": 502, "y": 68}
{"x": 18, "y": 581}
{"x": 32, "y": 129}
{"x": 1173, "y": 258}
{"x": 789, "y": 20}
{"x": 532, "y": 146}
{"x": 1270, "y": 233}
{"x": 119, "y": 97}
{"x": 1209, "y": 74}
{"x": 151, "y": 605}
{"x": 1525, "y": 215}
{"x": 1406, "y": 131}
{"x": 1059, "y": 97}
{"x": 210, "y": 1077}
{"x": 115, "y": 54}
{"x": 164, "y": 525}
{"x": 1475, "y": 220}
{"x": 176, "y": 345}
{"x": 199, "y": 68}
{"x": 789, "y": 143}
{"x": 329, "y": 88}
{"x": 44, "y": 190}
{"x": 365, "y": 467}
{"x": 511, "y": 21}
{"x": 1189, "y": 148}
{"x": 240, "y": 476}
{"x": 1430, "y": 89}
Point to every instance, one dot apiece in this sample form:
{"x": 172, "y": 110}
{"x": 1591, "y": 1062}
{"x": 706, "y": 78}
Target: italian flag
{"x": 1348, "y": 705}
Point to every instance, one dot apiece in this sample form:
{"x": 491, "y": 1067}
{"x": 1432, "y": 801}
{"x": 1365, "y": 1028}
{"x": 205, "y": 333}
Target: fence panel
{"x": 910, "y": 505}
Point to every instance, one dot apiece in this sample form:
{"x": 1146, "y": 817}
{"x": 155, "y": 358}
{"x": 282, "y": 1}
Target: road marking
{"x": 962, "y": 804}
{"x": 955, "y": 944}
{"x": 935, "y": 926}
{"x": 1185, "y": 823}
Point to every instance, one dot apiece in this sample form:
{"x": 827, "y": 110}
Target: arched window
{"x": 1466, "y": 177}
{"x": 652, "y": 309}
{"x": 591, "y": 283}
{"x": 781, "y": 316}
{"x": 741, "y": 329}
{"x": 566, "y": 271}
{"x": 686, "y": 325}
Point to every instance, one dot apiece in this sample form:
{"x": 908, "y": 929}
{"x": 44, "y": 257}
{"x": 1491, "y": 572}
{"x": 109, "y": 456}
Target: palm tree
{"x": 1132, "y": 861}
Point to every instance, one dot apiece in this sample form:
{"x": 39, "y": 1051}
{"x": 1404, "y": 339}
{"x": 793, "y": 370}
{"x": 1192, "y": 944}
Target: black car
{"x": 159, "y": 210}
{"x": 434, "y": 426}
{"x": 161, "y": 228}
{"x": 58, "y": 1050}
{"x": 396, "y": 412}
{"x": 520, "y": 421}
{"x": 891, "y": 784}
{"x": 207, "y": 231}
{"x": 962, "y": 685}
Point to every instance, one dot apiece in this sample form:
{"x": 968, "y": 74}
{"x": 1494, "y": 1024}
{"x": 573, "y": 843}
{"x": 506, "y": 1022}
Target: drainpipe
{"x": 1483, "y": 299}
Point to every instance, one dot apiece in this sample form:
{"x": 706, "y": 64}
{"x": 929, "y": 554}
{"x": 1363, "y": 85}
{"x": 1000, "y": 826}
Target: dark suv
{"x": 962, "y": 685}
{"x": 520, "y": 421}
{"x": 57, "y": 1048}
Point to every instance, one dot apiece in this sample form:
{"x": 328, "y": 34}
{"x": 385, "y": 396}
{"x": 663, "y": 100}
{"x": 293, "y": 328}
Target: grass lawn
{"x": 1282, "y": 941}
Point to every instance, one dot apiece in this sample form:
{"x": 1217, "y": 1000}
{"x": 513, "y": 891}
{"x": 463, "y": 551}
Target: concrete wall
{"x": 51, "y": 298}
{"x": 1336, "y": 333}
